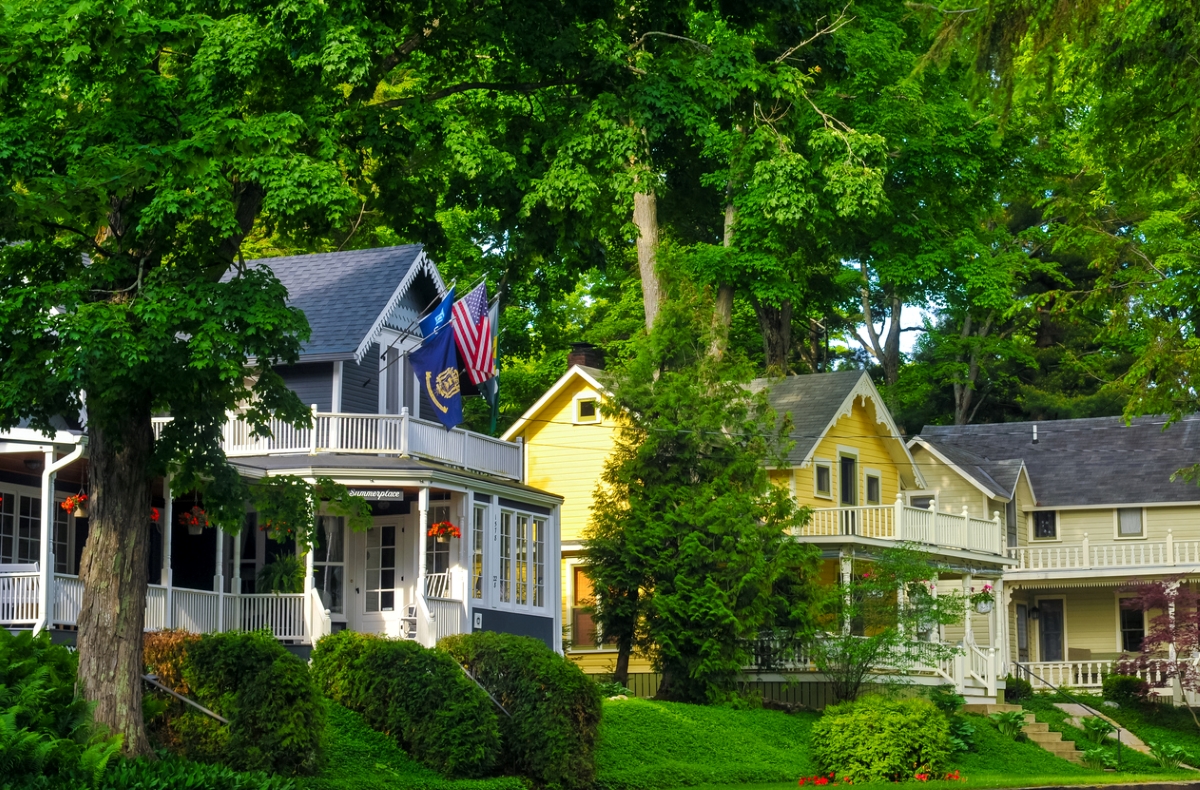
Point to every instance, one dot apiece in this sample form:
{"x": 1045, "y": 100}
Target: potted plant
{"x": 983, "y": 600}
{"x": 76, "y": 505}
{"x": 443, "y": 531}
{"x": 195, "y": 520}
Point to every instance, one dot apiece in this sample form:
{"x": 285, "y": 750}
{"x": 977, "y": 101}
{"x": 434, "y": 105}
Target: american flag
{"x": 473, "y": 334}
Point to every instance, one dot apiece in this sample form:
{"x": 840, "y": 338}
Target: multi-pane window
{"x": 61, "y": 558}
{"x": 538, "y": 564}
{"x": 1129, "y": 522}
{"x": 584, "y": 635}
{"x": 1133, "y": 630}
{"x": 8, "y": 527}
{"x": 29, "y": 529}
{"x": 522, "y": 559}
{"x": 437, "y": 554}
{"x": 873, "y": 490}
{"x": 477, "y": 552}
{"x": 1045, "y": 524}
{"x": 381, "y": 569}
{"x": 329, "y": 563}
{"x": 506, "y": 521}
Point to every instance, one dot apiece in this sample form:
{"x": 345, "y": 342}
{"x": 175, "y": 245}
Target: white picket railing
{"x": 982, "y": 666}
{"x": 68, "y": 599}
{"x": 19, "y": 598}
{"x": 195, "y": 610}
{"x": 439, "y": 585}
{"x": 447, "y": 618}
{"x": 900, "y": 522}
{"x": 1084, "y": 674}
{"x": 319, "y": 623}
{"x": 1086, "y": 555}
{"x": 374, "y": 434}
{"x": 156, "y": 607}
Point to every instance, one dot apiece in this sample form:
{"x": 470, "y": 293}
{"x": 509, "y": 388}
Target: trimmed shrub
{"x": 421, "y": 697}
{"x": 554, "y": 709}
{"x": 1125, "y": 689}
{"x": 882, "y": 740}
{"x": 276, "y": 715}
{"x": 1017, "y": 689}
{"x": 164, "y": 654}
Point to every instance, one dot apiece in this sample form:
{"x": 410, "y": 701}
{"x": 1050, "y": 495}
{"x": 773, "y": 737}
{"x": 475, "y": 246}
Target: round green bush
{"x": 421, "y": 697}
{"x": 276, "y": 715}
{"x": 1017, "y": 689}
{"x": 882, "y": 740}
{"x": 1125, "y": 689}
{"x": 554, "y": 709}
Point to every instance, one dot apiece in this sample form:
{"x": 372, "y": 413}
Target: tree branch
{"x": 698, "y": 44}
{"x": 841, "y": 21}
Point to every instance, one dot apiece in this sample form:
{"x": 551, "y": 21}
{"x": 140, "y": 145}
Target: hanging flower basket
{"x": 76, "y": 505}
{"x": 983, "y": 607}
{"x": 443, "y": 531}
{"x": 984, "y": 601}
{"x": 154, "y": 514}
{"x": 195, "y": 520}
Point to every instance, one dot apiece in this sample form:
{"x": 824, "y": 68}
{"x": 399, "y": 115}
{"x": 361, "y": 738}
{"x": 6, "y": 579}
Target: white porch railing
{"x": 900, "y": 522}
{"x": 282, "y": 614}
{"x": 68, "y": 599}
{"x": 195, "y": 610}
{"x": 19, "y": 598}
{"x": 374, "y": 434}
{"x": 1086, "y": 555}
{"x": 440, "y": 585}
{"x": 319, "y": 623}
{"x": 1081, "y": 674}
{"x": 156, "y": 606}
{"x": 447, "y": 618}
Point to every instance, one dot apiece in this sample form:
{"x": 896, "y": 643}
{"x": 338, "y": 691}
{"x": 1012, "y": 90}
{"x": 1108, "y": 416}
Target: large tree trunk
{"x": 775, "y": 322}
{"x": 621, "y": 671}
{"x": 965, "y": 405}
{"x": 114, "y": 572}
{"x": 645, "y": 217}
{"x": 885, "y": 349}
{"x": 723, "y": 310}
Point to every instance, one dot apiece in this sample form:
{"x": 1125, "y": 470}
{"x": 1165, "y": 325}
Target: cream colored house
{"x": 1089, "y": 508}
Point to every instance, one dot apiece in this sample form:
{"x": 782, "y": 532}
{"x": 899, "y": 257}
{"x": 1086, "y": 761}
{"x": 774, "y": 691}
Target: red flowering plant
{"x": 824, "y": 779}
{"x": 196, "y": 517}
{"x": 74, "y": 502}
{"x": 444, "y": 529}
{"x": 154, "y": 514}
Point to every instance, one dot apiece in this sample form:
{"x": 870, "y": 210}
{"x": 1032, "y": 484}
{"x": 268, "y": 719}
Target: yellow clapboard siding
{"x": 863, "y": 436}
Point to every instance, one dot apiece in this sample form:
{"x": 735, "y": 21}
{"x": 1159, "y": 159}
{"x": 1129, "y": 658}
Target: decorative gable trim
{"x": 421, "y": 264}
{"x": 548, "y": 396}
{"x": 865, "y": 389}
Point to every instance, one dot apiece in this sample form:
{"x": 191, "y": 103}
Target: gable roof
{"x": 1096, "y": 461}
{"x": 816, "y": 402}
{"x": 590, "y": 376}
{"x": 348, "y": 296}
{"x": 997, "y": 479}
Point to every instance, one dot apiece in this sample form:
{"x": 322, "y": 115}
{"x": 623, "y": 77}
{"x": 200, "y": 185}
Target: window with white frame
{"x": 874, "y": 489}
{"x": 381, "y": 569}
{"x": 329, "y": 562}
{"x": 477, "y": 530}
{"x": 29, "y": 529}
{"x": 587, "y": 411}
{"x": 8, "y": 527}
{"x": 1133, "y": 627}
{"x": 823, "y": 479}
{"x": 521, "y": 557}
{"x": 1045, "y": 525}
{"x": 538, "y": 562}
{"x": 61, "y": 560}
{"x": 506, "y": 522}
{"x": 437, "y": 552}
{"x": 1129, "y": 522}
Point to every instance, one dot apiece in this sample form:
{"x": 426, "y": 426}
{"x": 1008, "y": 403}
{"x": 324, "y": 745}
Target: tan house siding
{"x": 1099, "y": 524}
{"x": 952, "y": 489}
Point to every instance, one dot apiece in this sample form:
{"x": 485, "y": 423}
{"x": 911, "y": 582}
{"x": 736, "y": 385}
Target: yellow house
{"x": 848, "y": 463}
{"x": 1089, "y": 508}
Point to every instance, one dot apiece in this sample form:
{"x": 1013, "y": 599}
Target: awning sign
{"x": 379, "y": 494}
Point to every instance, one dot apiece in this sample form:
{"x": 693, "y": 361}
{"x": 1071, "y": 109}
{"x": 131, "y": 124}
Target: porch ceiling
{"x": 959, "y": 560}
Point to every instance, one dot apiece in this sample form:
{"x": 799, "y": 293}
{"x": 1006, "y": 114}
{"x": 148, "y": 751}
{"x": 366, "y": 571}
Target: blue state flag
{"x": 440, "y": 315}
{"x": 436, "y": 366}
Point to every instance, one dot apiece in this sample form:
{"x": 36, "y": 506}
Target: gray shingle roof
{"x": 1097, "y": 461}
{"x": 813, "y": 401}
{"x": 343, "y": 294}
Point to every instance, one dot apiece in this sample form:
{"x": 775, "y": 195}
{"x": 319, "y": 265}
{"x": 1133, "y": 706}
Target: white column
{"x": 46, "y": 547}
{"x": 845, "y": 569}
{"x": 422, "y": 528}
{"x": 168, "y": 522}
{"x": 968, "y": 637}
{"x": 236, "y": 587}
{"x": 219, "y": 579}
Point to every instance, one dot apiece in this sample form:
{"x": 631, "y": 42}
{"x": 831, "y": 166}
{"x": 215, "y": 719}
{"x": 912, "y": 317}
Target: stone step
{"x": 1035, "y": 726}
{"x": 1044, "y": 737}
{"x": 987, "y": 709}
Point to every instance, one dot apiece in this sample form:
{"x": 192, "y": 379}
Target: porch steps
{"x": 1036, "y": 731}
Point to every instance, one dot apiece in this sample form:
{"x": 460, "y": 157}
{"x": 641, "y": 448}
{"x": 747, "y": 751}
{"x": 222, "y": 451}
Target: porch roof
{"x": 381, "y": 469}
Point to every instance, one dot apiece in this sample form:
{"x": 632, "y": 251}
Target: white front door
{"x": 381, "y": 576}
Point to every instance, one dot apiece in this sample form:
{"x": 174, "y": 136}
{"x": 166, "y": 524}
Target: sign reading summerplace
{"x": 378, "y": 494}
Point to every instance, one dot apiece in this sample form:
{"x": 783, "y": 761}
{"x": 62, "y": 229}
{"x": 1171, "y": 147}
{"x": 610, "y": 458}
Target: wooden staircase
{"x": 1036, "y": 731}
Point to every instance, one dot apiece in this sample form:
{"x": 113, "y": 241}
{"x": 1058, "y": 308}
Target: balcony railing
{"x": 900, "y": 522}
{"x": 1084, "y": 674}
{"x": 1088, "y": 556}
{"x": 373, "y": 434}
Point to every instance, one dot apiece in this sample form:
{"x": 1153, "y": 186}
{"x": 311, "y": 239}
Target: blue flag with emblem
{"x": 436, "y": 366}
{"x": 440, "y": 315}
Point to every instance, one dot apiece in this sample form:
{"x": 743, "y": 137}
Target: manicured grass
{"x": 1154, "y": 723}
{"x": 1131, "y": 762}
{"x": 994, "y": 753}
{"x": 359, "y": 758}
{"x": 646, "y": 745}
{"x": 982, "y": 780}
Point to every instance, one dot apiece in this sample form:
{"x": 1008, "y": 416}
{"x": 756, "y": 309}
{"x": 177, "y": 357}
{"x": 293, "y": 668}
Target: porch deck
{"x": 374, "y": 434}
{"x": 903, "y": 523}
{"x": 299, "y": 618}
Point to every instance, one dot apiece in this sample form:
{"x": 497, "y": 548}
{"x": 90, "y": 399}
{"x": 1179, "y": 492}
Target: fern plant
{"x": 284, "y": 574}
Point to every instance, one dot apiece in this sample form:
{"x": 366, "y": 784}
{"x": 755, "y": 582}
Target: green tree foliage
{"x": 688, "y": 545}
{"x": 882, "y": 617}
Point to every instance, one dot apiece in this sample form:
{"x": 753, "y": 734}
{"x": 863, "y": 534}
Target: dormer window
{"x": 1045, "y": 525}
{"x": 587, "y": 411}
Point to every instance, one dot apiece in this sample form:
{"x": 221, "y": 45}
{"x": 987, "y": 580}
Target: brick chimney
{"x": 585, "y": 354}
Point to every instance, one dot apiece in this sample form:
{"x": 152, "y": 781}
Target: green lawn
{"x": 1131, "y": 762}
{"x": 1153, "y": 723}
{"x": 359, "y": 758}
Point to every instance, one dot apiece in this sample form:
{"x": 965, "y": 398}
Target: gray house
{"x": 367, "y": 433}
